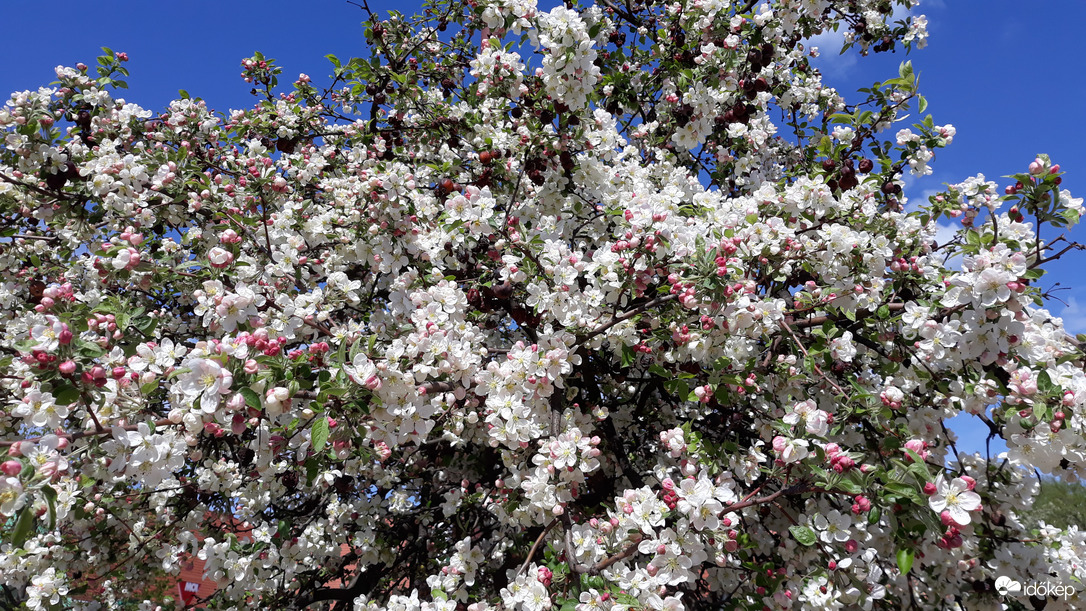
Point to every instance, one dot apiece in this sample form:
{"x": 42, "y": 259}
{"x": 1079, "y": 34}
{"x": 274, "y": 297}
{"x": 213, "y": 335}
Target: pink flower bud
{"x": 219, "y": 257}
{"x": 11, "y": 468}
{"x": 67, "y": 367}
{"x": 236, "y": 402}
{"x": 779, "y": 443}
{"x": 374, "y": 383}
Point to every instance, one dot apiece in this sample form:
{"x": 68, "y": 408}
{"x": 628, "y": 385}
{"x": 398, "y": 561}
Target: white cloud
{"x": 1074, "y": 317}
{"x": 829, "y": 43}
{"x": 944, "y": 233}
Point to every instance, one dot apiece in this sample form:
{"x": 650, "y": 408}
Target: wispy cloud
{"x": 829, "y": 43}
{"x": 1074, "y": 316}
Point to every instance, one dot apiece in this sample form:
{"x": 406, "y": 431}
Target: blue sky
{"x": 1008, "y": 74}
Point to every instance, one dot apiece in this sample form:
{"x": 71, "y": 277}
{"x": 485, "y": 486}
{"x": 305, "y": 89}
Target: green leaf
{"x": 23, "y": 525}
{"x": 1041, "y": 412}
{"x": 849, "y": 486}
{"x": 251, "y": 398}
{"x": 88, "y": 349}
{"x": 919, "y": 464}
{"x": 803, "y": 534}
{"x": 1044, "y": 383}
{"x": 320, "y": 433}
{"x": 66, "y": 395}
{"x": 904, "y": 560}
{"x": 51, "y": 501}
{"x": 905, "y": 70}
{"x": 341, "y": 352}
{"x": 904, "y": 491}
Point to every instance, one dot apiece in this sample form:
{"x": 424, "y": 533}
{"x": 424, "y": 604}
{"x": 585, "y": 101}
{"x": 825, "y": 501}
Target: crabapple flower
{"x": 954, "y": 497}
{"x": 46, "y": 589}
{"x": 276, "y": 400}
{"x": 790, "y": 450}
{"x": 834, "y": 527}
{"x": 47, "y": 336}
{"x": 205, "y": 379}
{"x": 220, "y": 258}
{"x": 12, "y": 498}
{"x": 41, "y": 410}
{"x": 610, "y": 325}
{"x": 364, "y": 372}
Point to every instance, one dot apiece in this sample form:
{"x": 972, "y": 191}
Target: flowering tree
{"x": 598, "y": 307}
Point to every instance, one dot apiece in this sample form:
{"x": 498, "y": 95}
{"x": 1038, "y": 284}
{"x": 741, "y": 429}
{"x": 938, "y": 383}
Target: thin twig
{"x": 535, "y": 546}
{"x": 81, "y": 434}
{"x": 626, "y": 316}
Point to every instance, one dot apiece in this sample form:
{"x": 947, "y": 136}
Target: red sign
{"x": 188, "y": 590}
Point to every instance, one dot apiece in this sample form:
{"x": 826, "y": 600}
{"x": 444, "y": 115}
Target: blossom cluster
{"x": 485, "y": 329}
